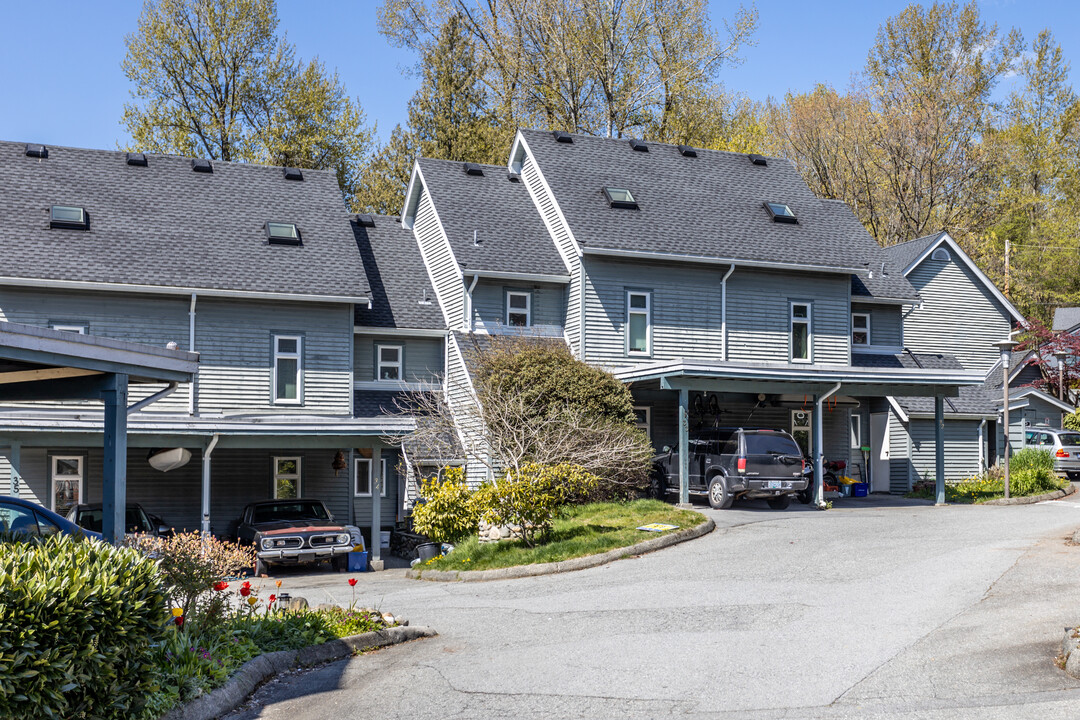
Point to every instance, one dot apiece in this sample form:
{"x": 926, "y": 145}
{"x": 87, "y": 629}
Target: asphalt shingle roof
{"x": 401, "y": 293}
{"x": 906, "y": 361}
{"x": 1066, "y": 318}
{"x": 511, "y": 235}
{"x": 378, "y": 403}
{"x": 905, "y": 253}
{"x": 709, "y": 206}
{"x": 166, "y": 225}
{"x": 983, "y": 399}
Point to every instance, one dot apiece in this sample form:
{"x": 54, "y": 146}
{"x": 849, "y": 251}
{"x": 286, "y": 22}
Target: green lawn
{"x": 581, "y": 530}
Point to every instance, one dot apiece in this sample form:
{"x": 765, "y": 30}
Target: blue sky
{"x": 60, "y": 62}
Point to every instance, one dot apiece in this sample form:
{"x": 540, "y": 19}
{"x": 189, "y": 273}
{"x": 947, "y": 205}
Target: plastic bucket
{"x": 358, "y": 561}
{"x": 429, "y": 550}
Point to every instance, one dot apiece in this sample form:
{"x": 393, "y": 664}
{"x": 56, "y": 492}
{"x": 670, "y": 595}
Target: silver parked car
{"x": 1064, "y": 445}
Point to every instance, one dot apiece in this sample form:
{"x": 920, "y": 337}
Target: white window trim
{"x": 299, "y": 357}
{"x": 855, "y": 430}
{"x": 941, "y": 255}
{"x": 869, "y": 339}
{"x": 809, "y": 322}
{"x": 647, "y": 312}
{"x": 647, "y": 424}
{"x": 360, "y": 462}
{"x": 69, "y": 327}
{"x": 298, "y": 475}
{"x": 383, "y": 481}
{"x": 528, "y": 307}
{"x": 379, "y": 364}
{"x": 81, "y": 461}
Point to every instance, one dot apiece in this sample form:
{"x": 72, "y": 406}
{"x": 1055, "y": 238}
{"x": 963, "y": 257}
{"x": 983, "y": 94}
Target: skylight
{"x": 781, "y": 213}
{"x": 68, "y": 217}
{"x": 282, "y": 233}
{"x": 620, "y": 198}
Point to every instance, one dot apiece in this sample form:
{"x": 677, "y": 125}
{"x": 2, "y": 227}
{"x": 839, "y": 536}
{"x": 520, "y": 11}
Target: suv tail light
{"x": 1061, "y": 453}
{"x": 742, "y": 464}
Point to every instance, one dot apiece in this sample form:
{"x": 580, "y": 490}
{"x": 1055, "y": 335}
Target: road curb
{"x": 255, "y": 671}
{"x": 1033, "y": 498}
{"x": 580, "y": 563}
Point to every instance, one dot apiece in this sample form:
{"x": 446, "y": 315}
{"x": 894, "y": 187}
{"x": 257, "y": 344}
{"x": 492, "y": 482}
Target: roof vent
{"x": 202, "y": 165}
{"x": 687, "y": 151}
{"x": 293, "y": 173}
{"x": 38, "y": 151}
{"x": 279, "y": 233}
{"x": 563, "y": 137}
{"x": 513, "y": 177}
{"x": 424, "y": 300}
{"x": 473, "y": 169}
{"x": 758, "y": 159}
{"x": 639, "y": 145}
{"x": 136, "y": 159}
{"x": 364, "y": 220}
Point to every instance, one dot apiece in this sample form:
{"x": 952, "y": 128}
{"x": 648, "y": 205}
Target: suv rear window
{"x": 764, "y": 443}
{"x": 1069, "y": 439}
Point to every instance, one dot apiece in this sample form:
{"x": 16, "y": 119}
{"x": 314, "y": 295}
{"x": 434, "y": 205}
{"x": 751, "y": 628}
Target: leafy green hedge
{"x": 77, "y": 619}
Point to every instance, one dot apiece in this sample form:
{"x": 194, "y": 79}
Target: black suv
{"x": 726, "y": 463}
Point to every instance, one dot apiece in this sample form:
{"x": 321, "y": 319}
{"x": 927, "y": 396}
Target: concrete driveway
{"x": 879, "y": 609}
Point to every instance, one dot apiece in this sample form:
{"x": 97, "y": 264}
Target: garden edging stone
{"x": 589, "y": 561}
{"x": 251, "y": 674}
{"x": 1070, "y": 652}
{"x": 1030, "y": 500}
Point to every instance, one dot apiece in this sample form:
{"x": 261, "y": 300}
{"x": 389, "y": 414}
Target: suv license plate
{"x": 774, "y": 485}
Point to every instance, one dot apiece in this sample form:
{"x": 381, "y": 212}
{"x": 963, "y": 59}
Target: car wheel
{"x": 780, "y": 503}
{"x": 657, "y": 487}
{"x": 720, "y": 498}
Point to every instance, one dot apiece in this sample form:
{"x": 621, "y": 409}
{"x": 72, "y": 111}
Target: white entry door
{"x": 879, "y": 452}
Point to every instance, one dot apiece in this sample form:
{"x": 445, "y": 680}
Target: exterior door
{"x": 879, "y": 452}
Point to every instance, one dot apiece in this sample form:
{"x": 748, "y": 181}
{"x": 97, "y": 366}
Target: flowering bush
{"x": 449, "y": 512}
{"x": 530, "y": 499}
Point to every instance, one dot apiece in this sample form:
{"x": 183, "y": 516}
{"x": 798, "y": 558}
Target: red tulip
{"x": 179, "y": 620}
{"x": 271, "y": 600}
{"x": 352, "y": 582}
{"x": 247, "y": 585}
{"x": 219, "y": 586}
{"x": 245, "y": 591}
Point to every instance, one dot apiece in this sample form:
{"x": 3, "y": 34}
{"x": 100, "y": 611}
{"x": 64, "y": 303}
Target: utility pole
{"x": 1006, "y": 348}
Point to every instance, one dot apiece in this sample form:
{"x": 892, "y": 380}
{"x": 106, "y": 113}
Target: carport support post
{"x": 684, "y": 446}
{"x": 377, "y": 480}
{"x": 818, "y": 450}
{"x": 939, "y": 447}
{"x": 114, "y": 476}
{"x": 15, "y": 463}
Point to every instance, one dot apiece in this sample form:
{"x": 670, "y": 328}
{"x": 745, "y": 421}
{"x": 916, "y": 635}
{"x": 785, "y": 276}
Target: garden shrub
{"x": 530, "y": 499}
{"x": 449, "y": 511}
{"x": 77, "y": 620}
{"x": 1071, "y": 421}
{"x": 1031, "y": 459}
{"x": 1032, "y": 481}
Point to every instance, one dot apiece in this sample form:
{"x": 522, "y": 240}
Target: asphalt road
{"x": 884, "y": 609}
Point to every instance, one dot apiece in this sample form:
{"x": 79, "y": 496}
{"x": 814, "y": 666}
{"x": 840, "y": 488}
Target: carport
{"x": 38, "y": 364}
{"x": 889, "y": 376}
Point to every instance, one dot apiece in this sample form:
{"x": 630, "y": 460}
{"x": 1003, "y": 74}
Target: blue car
{"x": 21, "y": 517}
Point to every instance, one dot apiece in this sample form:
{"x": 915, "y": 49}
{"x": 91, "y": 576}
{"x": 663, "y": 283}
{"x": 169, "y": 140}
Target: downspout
{"x": 191, "y": 348}
{"x": 206, "y": 483}
{"x": 723, "y": 311}
{"x": 470, "y": 323}
{"x": 982, "y": 446}
{"x": 159, "y": 395}
{"x": 819, "y": 442}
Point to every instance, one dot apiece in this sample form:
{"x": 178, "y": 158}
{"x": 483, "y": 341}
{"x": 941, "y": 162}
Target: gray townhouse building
{"x": 715, "y": 284}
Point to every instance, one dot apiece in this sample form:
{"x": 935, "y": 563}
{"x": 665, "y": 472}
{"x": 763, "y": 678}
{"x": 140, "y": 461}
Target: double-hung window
{"x": 518, "y": 309}
{"x": 363, "y": 477}
{"x": 288, "y": 369}
{"x": 860, "y": 329}
{"x": 389, "y": 362}
{"x": 800, "y": 331}
{"x": 638, "y": 322}
{"x": 642, "y": 420}
{"x": 286, "y": 478}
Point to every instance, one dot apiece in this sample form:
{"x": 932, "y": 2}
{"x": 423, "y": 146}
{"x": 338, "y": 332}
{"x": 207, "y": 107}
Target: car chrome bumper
{"x": 303, "y": 555}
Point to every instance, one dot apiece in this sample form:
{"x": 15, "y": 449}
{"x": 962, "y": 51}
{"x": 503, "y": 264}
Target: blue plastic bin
{"x": 358, "y": 562}
{"x": 860, "y": 490}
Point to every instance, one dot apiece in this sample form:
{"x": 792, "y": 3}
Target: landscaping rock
{"x": 295, "y": 603}
{"x": 1070, "y": 651}
{"x": 1033, "y": 498}
{"x": 326, "y": 606}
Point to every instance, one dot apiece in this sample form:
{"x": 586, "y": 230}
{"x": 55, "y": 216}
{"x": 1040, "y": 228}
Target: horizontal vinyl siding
{"x": 685, "y": 310}
{"x": 958, "y": 316}
{"x": 573, "y": 311}
{"x": 900, "y": 448}
{"x": 423, "y": 357}
{"x": 886, "y": 323}
{"x": 459, "y": 390}
{"x": 439, "y": 259}
{"x": 961, "y": 449}
{"x": 547, "y": 304}
{"x": 146, "y": 319}
{"x": 235, "y": 342}
{"x": 758, "y": 317}
{"x": 388, "y": 506}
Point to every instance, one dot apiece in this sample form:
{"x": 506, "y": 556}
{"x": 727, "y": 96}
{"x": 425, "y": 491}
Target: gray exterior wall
{"x": 913, "y": 457}
{"x": 422, "y": 357}
{"x": 958, "y": 316}
{"x": 547, "y": 305}
{"x": 886, "y": 323}
{"x": 459, "y": 389}
{"x": 443, "y": 269}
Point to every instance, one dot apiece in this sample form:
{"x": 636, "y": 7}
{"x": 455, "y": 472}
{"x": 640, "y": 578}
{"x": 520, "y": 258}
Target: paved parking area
{"x": 875, "y": 609}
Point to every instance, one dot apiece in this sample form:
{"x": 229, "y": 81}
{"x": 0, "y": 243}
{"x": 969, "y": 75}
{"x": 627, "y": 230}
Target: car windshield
{"x": 770, "y": 443}
{"x": 134, "y": 522}
{"x": 1069, "y": 439}
{"x": 289, "y": 511}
